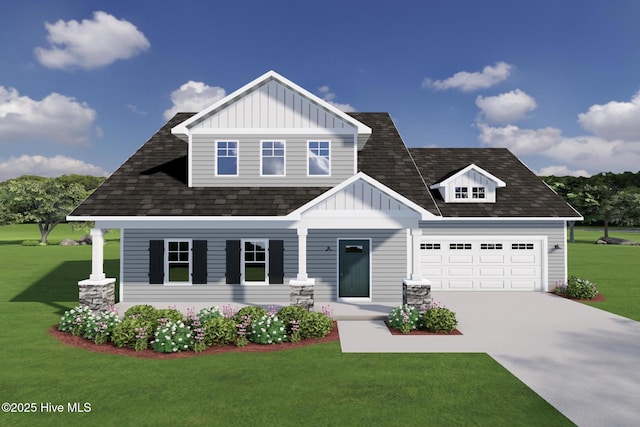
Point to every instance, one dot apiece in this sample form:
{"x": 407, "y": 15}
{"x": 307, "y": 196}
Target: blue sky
{"x": 83, "y": 84}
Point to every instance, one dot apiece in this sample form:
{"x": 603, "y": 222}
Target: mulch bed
{"x": 598, "y": 298}
{"x": 79, "y": 342}
{"x": 395, "y": 331}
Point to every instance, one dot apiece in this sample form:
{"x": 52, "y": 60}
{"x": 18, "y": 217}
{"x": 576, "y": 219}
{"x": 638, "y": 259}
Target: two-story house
{"x": 272, "y": 188}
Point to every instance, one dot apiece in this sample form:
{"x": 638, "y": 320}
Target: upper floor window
{"x": 477, "y": 192}
{"x": 462, "y": 193}
{"x": 272, "y": 158}
{"x": 227, "y": 158}
{"x": 319, "y": 159}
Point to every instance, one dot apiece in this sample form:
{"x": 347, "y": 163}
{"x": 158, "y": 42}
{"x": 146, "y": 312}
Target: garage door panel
{"x": 498, "y": 263}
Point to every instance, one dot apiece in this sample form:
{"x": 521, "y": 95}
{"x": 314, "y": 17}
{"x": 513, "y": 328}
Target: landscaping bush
{"x": 218, "y": 331}
{"x": 99, "y": 328}
{"x": 144, "y": 312}
{"x": 172, "y": 337}
{"x": 133, "y": 333}
{"x": 315, "y": 325}
{"x": 404, "y": 318}
{"x": 439, "y": 319}
{"x": 76, "y": 320}
{"x": 267, "y": 329}
{"x": 254, "y": 313}
{"x": 170, "y": 314}
{"x": 577, "y": 288}
{"x": 292, "y": 312}
{"x": 209, "y": 313}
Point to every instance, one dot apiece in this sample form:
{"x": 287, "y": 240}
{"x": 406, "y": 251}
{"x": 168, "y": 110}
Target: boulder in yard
{"x": 616, "y": 241}
{"x": 68, "y": 242}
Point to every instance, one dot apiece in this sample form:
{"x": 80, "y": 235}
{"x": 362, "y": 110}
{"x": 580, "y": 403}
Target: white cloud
{"x": 468, "y": 82}
{"x": 46, "y": 166}
{"x": 329, "y": 96}
{"x": 581, "y": 153}
{"x": 561, "y": 171}
{"x": 614, "y": 120}
{"x": 193, "y": 97}
{"x": 54, "y": 118}
{"x": 135, "y": 110}
{"x": 507, "y": 107}
{"x": 91, "y": 43}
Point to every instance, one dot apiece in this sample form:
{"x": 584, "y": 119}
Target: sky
{"x": 83, "y": 84}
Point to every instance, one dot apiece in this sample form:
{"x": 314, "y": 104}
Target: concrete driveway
{"x": 582, "y": 360}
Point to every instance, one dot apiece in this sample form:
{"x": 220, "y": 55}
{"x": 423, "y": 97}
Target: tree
{"x": 44, "y": 201}
{"x": 601, "y": 202}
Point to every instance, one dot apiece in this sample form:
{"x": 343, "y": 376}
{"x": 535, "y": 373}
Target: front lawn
{"x": 615, "y": 269}
{"x": 315, "y": 385}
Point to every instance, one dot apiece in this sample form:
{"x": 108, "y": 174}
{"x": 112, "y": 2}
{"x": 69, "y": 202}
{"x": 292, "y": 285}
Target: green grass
{"x": 615, "y": 269}
{"x": 315, "y": 385}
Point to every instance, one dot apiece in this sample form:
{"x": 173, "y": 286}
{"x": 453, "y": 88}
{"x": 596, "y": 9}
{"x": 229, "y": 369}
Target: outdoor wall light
{"x": 328, "y": 249}
{"x": 557, "y": 246}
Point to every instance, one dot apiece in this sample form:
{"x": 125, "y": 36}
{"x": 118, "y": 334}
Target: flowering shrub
{"x": 132, "y": 332}
{"x": 243, "y": 328}
{"x": 315, "y": 325}
{"x": 577, "y": 288}
{"x": 229, "y": 311}
{"x": 267, "y": 329}
{"x": 144, "y": 312}
{"x": 405, "y": 318}
{"x": 438, "y": 318}
{"x": 170, "y": 314}
{"x": 99, "y": 328}
{"x": 294, "y": 334}
{"x": 172, "y": 337}
{"x": 76, "y": 320}
{"x": 327, "y": 311}
{"x": 218, "y": 331}
{"x": 254, "y": 313}
{"x": 209, "y": 313}
{"x": 291, "y": 312}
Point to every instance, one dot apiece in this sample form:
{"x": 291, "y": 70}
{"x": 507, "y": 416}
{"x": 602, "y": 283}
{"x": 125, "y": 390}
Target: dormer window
{"x": 478, "y": 192}
{"x": 462, "y": 193}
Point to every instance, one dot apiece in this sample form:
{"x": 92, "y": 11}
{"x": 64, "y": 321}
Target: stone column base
{"x": 416, "y": 293}
{"x": 301, "y": 295}
{"x": 98, "y": 295}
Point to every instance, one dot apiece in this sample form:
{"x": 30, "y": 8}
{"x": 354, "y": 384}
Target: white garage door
{"x": 487, "y": 264}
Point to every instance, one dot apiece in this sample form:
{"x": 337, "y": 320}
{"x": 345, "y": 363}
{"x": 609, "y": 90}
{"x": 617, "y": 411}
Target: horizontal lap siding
{"x": 203, "y": 161}
{"x": 554, "y": 230}
{"x": 135, "y": 266}
{"x": 388, "y": 262}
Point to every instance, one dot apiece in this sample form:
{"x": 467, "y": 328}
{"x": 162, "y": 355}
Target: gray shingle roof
{"x": 524, "y": 196}
{"x": 153, "y": 181}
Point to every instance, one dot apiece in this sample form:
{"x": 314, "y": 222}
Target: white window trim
{"x": 462, "y": 193}
{"x": 215, "y": 166}
{"x": 166, "y": 262}
{"x": 284, "y": 144}
{"x": 309, "y": 141}
{"x": 266, "y": 262}
{"x": 481, "y": 190}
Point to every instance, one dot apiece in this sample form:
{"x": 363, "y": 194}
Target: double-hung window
{"x": 227, "y": 158}
{"x": 254, "y": 261}
{"x": 273, "y": 158}
{"x": 319, "y": 158}
{"x": 179, "y": 261}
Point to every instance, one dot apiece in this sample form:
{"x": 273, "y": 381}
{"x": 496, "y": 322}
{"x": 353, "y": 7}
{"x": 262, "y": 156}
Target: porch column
{"x": 97, "y": 254}
{"x": 302, "y": 254}
{"x": 416, "y": 235}
{"x": 97, "y": 292}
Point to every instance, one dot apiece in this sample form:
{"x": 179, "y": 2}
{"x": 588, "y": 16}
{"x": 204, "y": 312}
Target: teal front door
{"x": 353, "y": 268}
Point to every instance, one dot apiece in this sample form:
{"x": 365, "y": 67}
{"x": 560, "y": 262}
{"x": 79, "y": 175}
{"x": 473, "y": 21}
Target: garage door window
{"x": 522, "y": 246}
{"x": 460, "y": 246}
{"x": 429, "y": 246}
{"x": 491, "y": 246}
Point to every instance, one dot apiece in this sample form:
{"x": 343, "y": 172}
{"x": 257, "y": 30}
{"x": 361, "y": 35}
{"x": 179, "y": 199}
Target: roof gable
{"x": 272, "y": 102}
{"x": 471, "y": 168}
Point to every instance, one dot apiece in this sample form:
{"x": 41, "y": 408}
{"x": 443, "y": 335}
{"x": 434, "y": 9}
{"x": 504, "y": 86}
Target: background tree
{"x": 42, "y": 201}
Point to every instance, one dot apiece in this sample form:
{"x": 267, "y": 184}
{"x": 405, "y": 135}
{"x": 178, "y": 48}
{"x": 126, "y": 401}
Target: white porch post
{"x": 97, "y": 254}
{"x": 416, "y": 235}
{"x": 302, "y": 254}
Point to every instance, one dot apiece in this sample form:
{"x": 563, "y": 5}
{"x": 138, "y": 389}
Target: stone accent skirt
{"x": 416, "y": 294}
{"x": 301, "y": 296}
{"x": 97, "y": 295}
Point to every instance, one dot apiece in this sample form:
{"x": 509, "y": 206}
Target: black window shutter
{"x": 156, "y": 262}
{"x": 199, "y": 267}
{"x": 233, "y": 262}
{"x": 276, "y": 261}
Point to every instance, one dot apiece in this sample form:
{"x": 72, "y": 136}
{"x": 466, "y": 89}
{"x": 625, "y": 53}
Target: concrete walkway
{"x": 582, "y": 360}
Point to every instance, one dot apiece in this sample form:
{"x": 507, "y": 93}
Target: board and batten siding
{"x": 554, "y": 230}
{"x": 135, "y": 267}
{"x": 204, "y": 161}
{"x": 360, "y": 196}
{"x": 273, "y": 105}
{"x": 388, "y": 262}
{"x": 469, "y": 180}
